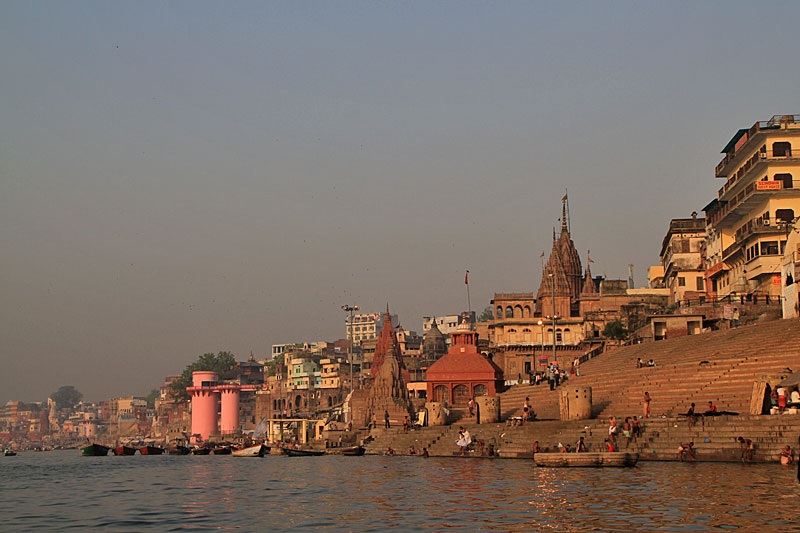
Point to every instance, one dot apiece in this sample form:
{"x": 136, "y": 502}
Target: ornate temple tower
{"x": 389, "y": 392}
{"x": 386, "y": 344}
{"x": 562, "y": 277}
{"x": 433, "y": 343}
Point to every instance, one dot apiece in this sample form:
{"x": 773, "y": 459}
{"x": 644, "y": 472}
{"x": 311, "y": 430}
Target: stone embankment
{"x": 714, "y": 438}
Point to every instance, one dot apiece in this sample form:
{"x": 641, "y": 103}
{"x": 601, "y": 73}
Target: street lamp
{"x": 350, "y": 309}
{"x": 541, "y": 324}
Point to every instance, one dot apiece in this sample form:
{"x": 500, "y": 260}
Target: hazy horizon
{"x": 188, "y": 177}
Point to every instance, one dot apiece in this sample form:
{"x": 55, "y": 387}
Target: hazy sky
{"x": 185, "y": 177}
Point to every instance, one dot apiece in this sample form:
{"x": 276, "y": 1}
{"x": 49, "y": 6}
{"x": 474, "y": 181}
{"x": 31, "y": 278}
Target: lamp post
{"x": 541, "y": 324}
{"x": 553, "y": 287}
{"x": 350, "y": 309}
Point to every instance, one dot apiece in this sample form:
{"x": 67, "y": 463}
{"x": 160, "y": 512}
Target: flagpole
{"x": 466, "y": 282}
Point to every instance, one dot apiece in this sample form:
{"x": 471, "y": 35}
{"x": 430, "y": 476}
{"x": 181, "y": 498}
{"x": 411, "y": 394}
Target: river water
{"x": 63, "y": 491}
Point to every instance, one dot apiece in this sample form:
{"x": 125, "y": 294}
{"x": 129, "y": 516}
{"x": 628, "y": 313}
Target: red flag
{"x": 466, "y": 278}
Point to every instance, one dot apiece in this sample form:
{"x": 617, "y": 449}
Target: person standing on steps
{"x": 386, "y": 418}
{"x": 646, "y": 405}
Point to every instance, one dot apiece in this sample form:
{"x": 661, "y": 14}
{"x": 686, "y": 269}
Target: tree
{"x": 66, "y": 396}
{"x": 151, "y": 398}
{"x": 615, "y": 330}
{"x": 222, "y": 363}
{"x": 486, "y": 315}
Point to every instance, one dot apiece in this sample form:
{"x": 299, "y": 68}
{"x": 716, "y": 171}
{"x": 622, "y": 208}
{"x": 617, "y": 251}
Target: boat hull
{"x": 252, "y": 451}
{"x": 151, "y": 450}
{"x": 302, "y": 453}
{"x": 201, "y": 451}
{"x": 179, "y": 450}
{"x": 590, "y": 459}
{"x": 94, "y": 450}
{"x": 124, "y": 450}
{"x": 354, "y": 451}
{"x": 222, "y": 451}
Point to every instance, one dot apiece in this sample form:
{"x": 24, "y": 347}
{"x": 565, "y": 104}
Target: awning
{"x": 734, "y": 140}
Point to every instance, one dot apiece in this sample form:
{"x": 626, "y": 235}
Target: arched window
{"x": 781, "y": 149}
{"x": 518, "y": 311}
{"x": 512, "y": 330}
{"x": 509, "y": 312}
{"x": 499, "y": 313}
{"x": 460, "y": 394}
{"x": 441, "y": 393}
{"x": 298, "y": 400}
{"x": 480, "y": 390}
{"x": 330, "y": 401}
{"x": 526, "y": 330}
{"x": 527, "y": 312}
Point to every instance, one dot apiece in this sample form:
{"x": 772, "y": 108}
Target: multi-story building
{"x": 366, "y": 326}
{"x": 684, "y": 275}
{"x": 748, "y": 222}
{"x": 447, "y": 324}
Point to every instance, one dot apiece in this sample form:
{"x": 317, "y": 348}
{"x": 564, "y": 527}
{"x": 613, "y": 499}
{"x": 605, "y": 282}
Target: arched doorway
{"x": 460, "y": 394}
{"x": 441, "y": 393}
{"x": 480, "y": 390}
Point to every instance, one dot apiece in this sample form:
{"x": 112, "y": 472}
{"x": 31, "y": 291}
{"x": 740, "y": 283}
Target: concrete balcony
{"x": 733, "y": 157}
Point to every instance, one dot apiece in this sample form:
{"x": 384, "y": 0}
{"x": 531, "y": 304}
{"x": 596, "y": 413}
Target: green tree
{"x": 66, "y": 396}
{"x": 615, "y": 330}
{"x": 222, "y": 363}
{"x": 486, "y": 315}
{"x": 151, "y": 398}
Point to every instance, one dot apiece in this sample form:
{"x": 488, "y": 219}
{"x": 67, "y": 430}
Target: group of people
{"x": 641, "y": 364}
{"x": 782, "y": 398}
{"x": 631, "y": 429}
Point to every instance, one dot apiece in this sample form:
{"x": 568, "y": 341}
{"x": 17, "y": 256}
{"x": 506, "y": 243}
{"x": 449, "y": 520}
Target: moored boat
{"x": 179, "y": 450}
{"x": 222, "y": 450}
{"x": 589, "y": 459}
{"x": 353, "y": 450}
{"x": 201, "y": 451}
{"x": 151, "y": 450}
{"x": 124, "y": 450}
{"x": 94, "y": 450}
{"x": 9, "y": 453}
{"x": 292, "y": 452}
{"x": 251, "y": 451}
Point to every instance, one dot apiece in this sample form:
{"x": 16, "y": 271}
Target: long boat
{"x": 179, "y": 450}
{"x": 251, "y": 451}
{"x": 124, "y": 450}
{"x": 222, "y": 450}
{"x": 354, "y": 451}
{"x": 201, "y": 451}
{"x": 9, "y": 453}
{"x": 94, "y": 450}
{"x": 291, "y": 452}
{"x": 151, "y": 450}
{"x": 587, "y": 459}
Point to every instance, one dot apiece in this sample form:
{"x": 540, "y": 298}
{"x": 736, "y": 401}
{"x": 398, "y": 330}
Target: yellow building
{"x": 748, "y": 222}
{"x": 681, "y": 261}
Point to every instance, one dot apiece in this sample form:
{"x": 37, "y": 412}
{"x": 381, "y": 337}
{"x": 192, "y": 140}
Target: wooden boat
{"x": 222, "y": 450}
{"x": 586, "y": 459}
{"x": 252, "y": 451}
{"x": 201, "y": 451}
{"x": 94, "y": 450}
{"x": 353, "y": 450}
{"x": 179, "y": 450}
{"x": 124, "y": 450}
{"x": 151, "y": 450}
{"x": 9, "y": 453}
{"x": 291, "y": 452}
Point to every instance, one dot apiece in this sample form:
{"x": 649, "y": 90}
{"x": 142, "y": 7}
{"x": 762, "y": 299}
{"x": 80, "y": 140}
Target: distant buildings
{"x": 681, "y": 259}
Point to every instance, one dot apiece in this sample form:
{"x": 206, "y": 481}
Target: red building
{"x": 464, "y": 372}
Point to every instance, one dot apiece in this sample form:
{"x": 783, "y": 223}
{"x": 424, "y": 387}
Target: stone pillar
{"x": 436, "y": 414}
{"x": 575, "y": 403}
{"x": 304, "y": 432}
{"x": 488, "y": 409}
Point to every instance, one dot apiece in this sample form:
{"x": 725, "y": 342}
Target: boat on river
{"x": 292, "y": 452}
{"x": 94, "y": 450}
{"x": 9, "y": 453}
{"x": 353, "y": 450}
{"x": 124, "y": 450}
{"x": 222, "y": 450}
{"x": 179, "y": 450}
{"x": 251, "y": 451}
{"x": 587, "y": 459}
{"x": 201, "y": 451}
{"x": 151, "y": 450}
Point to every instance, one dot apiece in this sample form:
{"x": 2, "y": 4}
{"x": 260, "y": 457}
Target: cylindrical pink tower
{"x": 204, "y": 403}
{"x": 229, "y": 395}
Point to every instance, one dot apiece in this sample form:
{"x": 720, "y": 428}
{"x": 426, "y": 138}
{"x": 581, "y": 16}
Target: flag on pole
{"x": 466, "y": 278}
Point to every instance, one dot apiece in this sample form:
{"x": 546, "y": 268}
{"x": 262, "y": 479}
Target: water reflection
{"x": 63, "y": 490}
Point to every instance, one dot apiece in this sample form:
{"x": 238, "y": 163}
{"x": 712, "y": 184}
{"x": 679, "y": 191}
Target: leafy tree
{"x": 486, "y": 315}
{"x": 151, "y": 398}
{"x": 615, "y": 330}
{"x": 271, "y": 367}
{"x": 222, "y": 363}
{"x": 66, "y": 396}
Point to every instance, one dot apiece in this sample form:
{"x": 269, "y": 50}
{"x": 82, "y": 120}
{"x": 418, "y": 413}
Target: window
{"x": 785, "y": 179}
{"x": 701, "y": 286}
{"x": 559, "y": 337}
{"x": 499, "y": 313}
{"x": 781, "y": 149}
{"x": 681, "y": 281}
{"x": 784, "y": 215}
{"x": 769, "y": 248}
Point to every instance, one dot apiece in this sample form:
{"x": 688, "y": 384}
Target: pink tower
{"x": 204, "y": 403}
{"x": 229, "y": 395}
